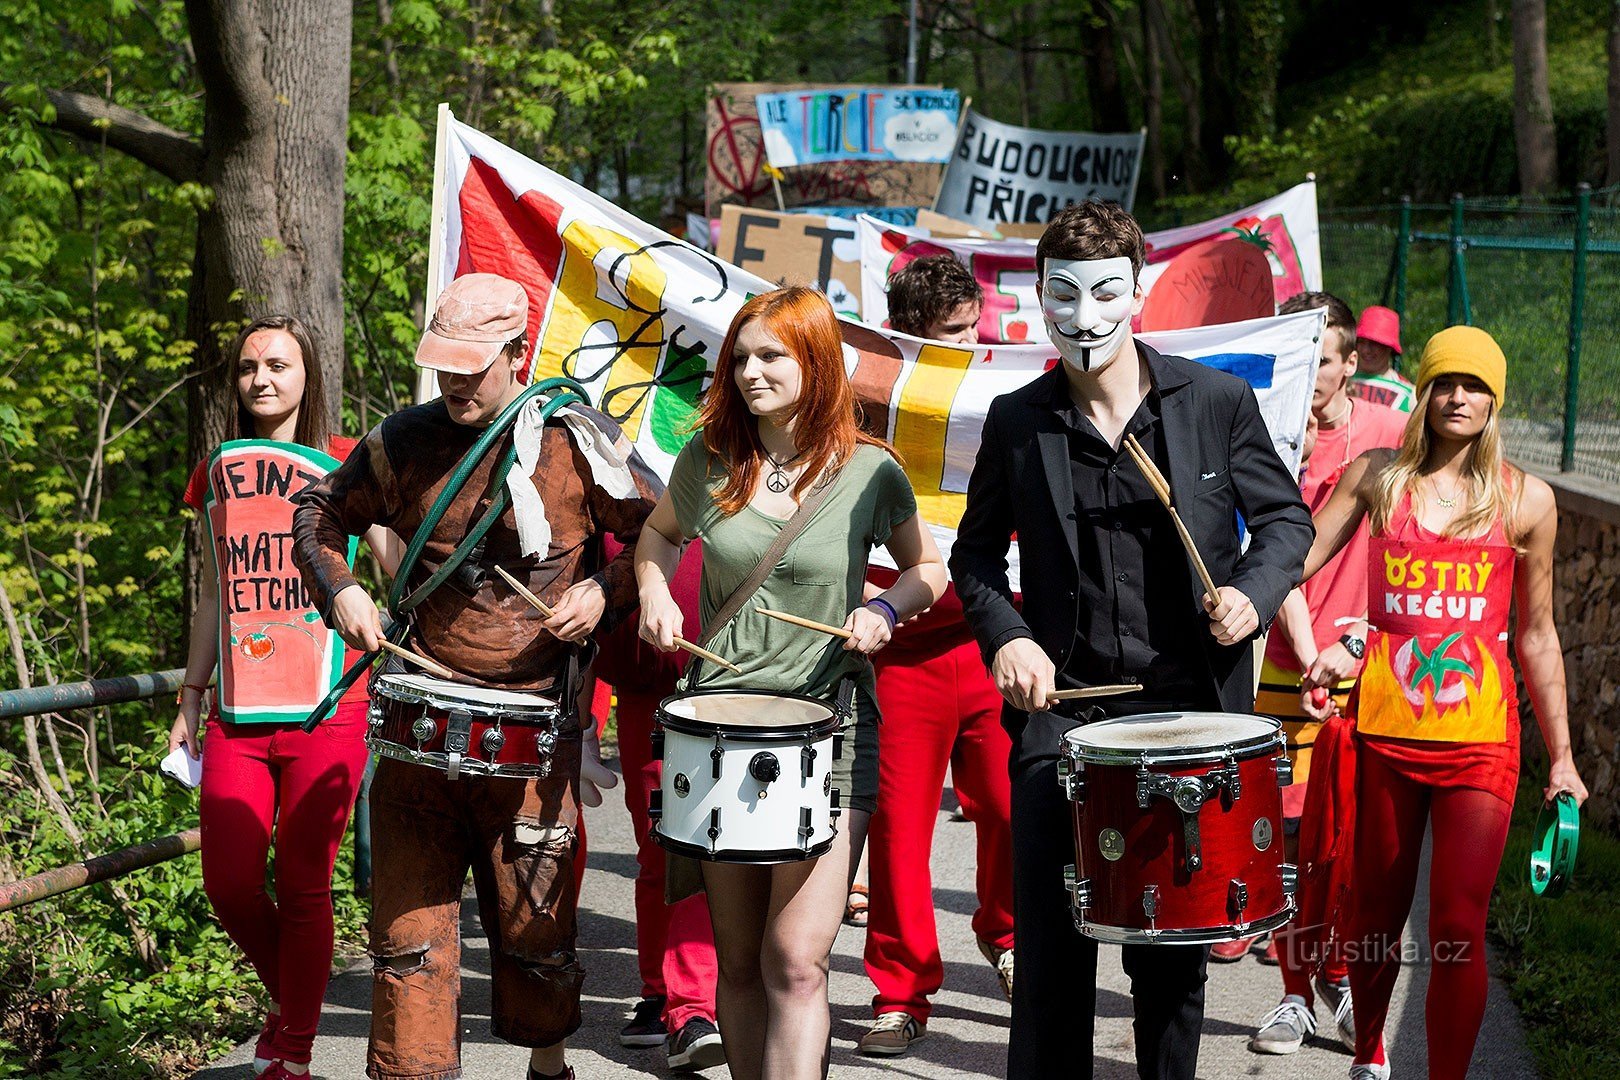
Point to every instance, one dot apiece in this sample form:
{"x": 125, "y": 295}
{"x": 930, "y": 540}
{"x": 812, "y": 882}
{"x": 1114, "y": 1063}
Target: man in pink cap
{"x": 1378, "y": 343}
{"x": 577, "y": 479}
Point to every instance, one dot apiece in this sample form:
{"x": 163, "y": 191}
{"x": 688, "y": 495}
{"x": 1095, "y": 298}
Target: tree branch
{"x": 172, "y": 153}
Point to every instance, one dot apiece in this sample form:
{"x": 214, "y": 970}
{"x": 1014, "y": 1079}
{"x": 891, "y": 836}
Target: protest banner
{"x": 938, "y": 224}
{"x": 818, "y": 127}
{"x": 638, "y": 316}
{"x": 736, "y": 162}
{"x": 795, "y": 249}
{"x": 267, "y": 612}
{"x": 1004, "y": 173}
{"x": 1284, "y": 229}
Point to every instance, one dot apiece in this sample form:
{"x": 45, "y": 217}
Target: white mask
{"x": 1088, "y": 305}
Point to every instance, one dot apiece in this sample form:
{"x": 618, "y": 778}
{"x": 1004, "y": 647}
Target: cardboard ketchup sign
{"x": 277, "y": 660}
{"x": 1437, "y": 667}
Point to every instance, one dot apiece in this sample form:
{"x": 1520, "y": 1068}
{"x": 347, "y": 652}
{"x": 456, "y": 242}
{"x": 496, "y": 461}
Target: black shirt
{"x": 1136, "y": 623}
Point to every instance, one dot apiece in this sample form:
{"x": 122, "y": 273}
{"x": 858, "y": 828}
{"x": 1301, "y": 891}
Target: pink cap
{"x": 1380, "y": 325}
{"x": 476, "y": 316}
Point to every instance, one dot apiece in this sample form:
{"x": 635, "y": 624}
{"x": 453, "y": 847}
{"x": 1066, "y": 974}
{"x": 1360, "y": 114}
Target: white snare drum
{"x": 747, "y": 776}
{"x": 456, "y": 728}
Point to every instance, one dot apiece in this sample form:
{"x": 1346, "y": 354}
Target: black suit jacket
{"x": 1221, "y": 462}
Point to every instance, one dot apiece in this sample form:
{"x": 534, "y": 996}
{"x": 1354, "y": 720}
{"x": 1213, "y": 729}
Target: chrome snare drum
{"x": 457, "y": 728}
{"x": 747, "y": 776}
{"x": 1178, "y": 827}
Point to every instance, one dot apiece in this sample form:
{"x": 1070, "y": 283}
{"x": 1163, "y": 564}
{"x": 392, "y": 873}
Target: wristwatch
{"x": 1355, "y": 646}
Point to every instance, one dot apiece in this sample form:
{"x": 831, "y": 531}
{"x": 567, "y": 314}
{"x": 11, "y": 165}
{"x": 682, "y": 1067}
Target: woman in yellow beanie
{"x": 1458, "y": 537}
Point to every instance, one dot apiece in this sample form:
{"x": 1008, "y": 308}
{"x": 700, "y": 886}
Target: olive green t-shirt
{"x": 819, "y": 578}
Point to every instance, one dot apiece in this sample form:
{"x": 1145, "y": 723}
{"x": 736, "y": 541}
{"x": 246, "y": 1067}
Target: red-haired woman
{"x": 1457, "y": 537}
{"x": 777, "y": 422}
{"x": 263, "y": 776}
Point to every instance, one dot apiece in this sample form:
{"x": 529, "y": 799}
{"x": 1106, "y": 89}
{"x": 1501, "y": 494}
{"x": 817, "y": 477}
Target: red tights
{"x": 1470, "y": 830}
{"x": 260, "y": 779}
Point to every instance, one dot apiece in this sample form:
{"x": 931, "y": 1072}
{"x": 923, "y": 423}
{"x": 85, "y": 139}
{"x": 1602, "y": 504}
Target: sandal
{"x": 855, "y": 908}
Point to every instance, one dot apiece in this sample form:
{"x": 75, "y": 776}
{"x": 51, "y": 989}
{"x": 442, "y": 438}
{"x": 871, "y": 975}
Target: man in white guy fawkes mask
{"x": 1109, "y": 597}
{"x": 1089, "y": 304}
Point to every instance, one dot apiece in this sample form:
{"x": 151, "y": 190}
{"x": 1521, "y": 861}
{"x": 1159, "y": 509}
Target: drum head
{"x": 741, "y": 711}
{"x": 1171, "y": 736}
{"x": 440, "y": 693}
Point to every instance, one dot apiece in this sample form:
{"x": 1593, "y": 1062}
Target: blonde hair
{"x": 1492, "y": 488}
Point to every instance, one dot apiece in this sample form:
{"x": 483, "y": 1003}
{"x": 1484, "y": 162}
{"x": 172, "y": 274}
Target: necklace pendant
{"x": 1445, "y": 503}
{"x": 777, "y": 481}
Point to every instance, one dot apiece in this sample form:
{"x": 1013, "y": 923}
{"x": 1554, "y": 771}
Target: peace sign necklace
{"x": 777, "y": 480}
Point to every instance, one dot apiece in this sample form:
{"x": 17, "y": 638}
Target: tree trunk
{"x": 1100, "y": 52}
{"x": 1214, "y": 80}
{"x": 1186, "y": 87}
{"x": 1254, "y": 48}
{"x": 1612, "y": 133}
{"x": 1153, "y": 101}
{"x": 1532, "y": 100}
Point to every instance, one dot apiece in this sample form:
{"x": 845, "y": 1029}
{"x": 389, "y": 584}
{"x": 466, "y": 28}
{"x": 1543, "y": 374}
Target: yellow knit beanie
{"x": 1464, "y": 350}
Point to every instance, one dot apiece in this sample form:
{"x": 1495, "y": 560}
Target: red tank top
{"x": 1437, "y": 697}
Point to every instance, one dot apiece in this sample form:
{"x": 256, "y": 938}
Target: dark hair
{"x": 803, "y": 320}
{"x": 926, "y": 290}
{"x": 1340, "y": 317}
{"x": 1093, "y": 229}
{"x": 313, "y": 428}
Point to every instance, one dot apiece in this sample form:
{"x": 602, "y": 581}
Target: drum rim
{"x": 1243, "y": 749}
{"x": 769, "y": 857}
{"x": 410, "y": 696}
{"x": 705, "y": 729}
{"x": 439, "y": 761}
{"x": 1197, "y": 935}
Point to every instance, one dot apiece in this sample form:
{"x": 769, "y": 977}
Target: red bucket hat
{"x": 1380, "y": 325}
{"x": 477, "y": 314}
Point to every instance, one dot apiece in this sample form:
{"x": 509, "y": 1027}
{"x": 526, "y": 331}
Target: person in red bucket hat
{"x": 1378, "y": 344}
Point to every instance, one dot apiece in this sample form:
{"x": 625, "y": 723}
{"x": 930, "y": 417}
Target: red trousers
{"x": 264, "y": 780}
{"x": 674, "y": 943}
{"x": 937, "y": 711}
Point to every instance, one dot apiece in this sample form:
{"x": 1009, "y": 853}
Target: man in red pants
{"x": 674, "y": 943}
{"x": 939, "y": 707}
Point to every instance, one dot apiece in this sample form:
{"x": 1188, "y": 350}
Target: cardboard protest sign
{"x": 938, "y": 224}
{"x": 638, "y": 317}
{"x": 266, "y": 613}
{"x": 817, "y": 127}
{"x": 1004, "y": 173}
{"x": 736, "y": 161}
{"x": 795, "y": 249}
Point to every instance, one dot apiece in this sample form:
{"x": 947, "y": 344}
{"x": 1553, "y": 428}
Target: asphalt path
{"x": 967, "y": 1036}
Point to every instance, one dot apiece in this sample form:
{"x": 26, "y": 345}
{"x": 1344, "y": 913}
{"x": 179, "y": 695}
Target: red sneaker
{"x": 1230, "y": 952}
{"x": 1267, "y": 955}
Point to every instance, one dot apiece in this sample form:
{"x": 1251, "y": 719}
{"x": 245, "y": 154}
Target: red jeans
{"x": 935, "y": 711}
{"x": 264, "y": 779}
{"x": 674, "y": 943}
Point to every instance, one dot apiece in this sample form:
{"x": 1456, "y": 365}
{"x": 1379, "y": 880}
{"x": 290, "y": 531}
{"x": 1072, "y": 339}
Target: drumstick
{"x": 1161, "y": 488}
{"x": 422, "y": 662}
{"x": 540, "y": 606}
{"x": 521, "y": 590}
{"x": 1093, "y": 691}
{"x": 808, "y": 624}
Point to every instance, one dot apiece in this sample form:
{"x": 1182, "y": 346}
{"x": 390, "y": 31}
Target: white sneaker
{"x": 1369, "y": 1072}
{"x": 1284, "y": 1028}
{"x": 1336, "y": 996}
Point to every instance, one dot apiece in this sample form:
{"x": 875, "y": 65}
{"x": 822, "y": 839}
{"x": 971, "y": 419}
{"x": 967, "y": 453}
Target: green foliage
{"x": 1558, "y": 955}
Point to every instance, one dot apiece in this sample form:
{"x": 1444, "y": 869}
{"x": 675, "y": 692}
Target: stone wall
{"x": 1586, "y": 606}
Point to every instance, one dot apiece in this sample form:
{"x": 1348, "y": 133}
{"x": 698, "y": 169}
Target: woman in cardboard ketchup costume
{"x": 1458, "y": 537}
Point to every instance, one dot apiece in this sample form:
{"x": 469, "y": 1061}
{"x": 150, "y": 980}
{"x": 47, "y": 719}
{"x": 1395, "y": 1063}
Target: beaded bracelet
{"x": 885, "y": 609}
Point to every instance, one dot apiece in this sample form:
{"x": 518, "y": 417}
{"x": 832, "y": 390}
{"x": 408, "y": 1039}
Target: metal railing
{"x": 126, "y": 860}
{"x": 1533, "y": 263}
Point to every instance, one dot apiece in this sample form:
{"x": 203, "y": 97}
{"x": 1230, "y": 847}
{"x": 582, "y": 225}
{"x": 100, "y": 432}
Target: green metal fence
{"x": 1542, "y": 277}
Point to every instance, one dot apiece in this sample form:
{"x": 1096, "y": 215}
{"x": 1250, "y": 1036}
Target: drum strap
{"x": 773, "y": 555}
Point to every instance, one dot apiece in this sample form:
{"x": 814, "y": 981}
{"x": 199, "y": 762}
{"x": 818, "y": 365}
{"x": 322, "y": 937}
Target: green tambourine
{"x": 1557, "y": 836}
